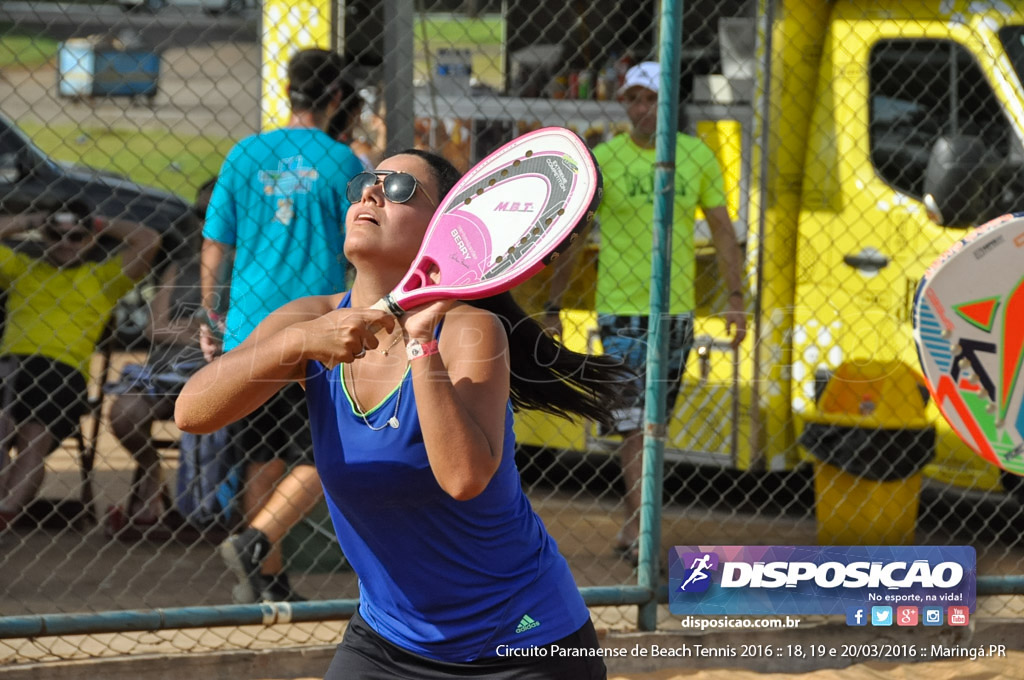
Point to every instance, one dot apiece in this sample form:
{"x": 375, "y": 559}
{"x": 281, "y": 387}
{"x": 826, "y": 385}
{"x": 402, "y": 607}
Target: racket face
{"x": 504, "y": 220}
{"x": 969, "y": 331}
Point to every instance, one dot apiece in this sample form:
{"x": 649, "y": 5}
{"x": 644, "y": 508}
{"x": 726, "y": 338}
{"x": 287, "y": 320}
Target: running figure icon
{"x": 698, "y": 569}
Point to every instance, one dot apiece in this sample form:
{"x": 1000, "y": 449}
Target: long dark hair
{"x": 546, "y": 375}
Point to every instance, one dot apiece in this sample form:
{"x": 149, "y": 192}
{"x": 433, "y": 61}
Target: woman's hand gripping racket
{"x": 969, "y": 331}
{"x": 510, "y": 215}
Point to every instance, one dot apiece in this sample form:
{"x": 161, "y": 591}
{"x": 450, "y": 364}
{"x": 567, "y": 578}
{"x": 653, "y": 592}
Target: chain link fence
{"x": 817, "y": 429}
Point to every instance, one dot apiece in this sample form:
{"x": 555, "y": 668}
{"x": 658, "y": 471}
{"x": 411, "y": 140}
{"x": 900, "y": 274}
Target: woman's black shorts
{"x": 364, "y": 655}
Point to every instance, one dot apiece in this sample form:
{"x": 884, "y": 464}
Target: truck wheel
{"x": 1014, "y": 485}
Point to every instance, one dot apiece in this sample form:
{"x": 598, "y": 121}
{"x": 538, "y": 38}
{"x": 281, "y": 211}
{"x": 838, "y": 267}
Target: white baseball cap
{"x": 645, "y": 74}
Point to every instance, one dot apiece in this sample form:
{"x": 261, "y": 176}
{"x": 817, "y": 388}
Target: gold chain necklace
{"x": 393, "y": 420}
{"x": 393, "y": 343}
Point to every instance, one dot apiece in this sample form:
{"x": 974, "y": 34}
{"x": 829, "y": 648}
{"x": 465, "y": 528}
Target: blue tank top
{"x": 446, "y": 579}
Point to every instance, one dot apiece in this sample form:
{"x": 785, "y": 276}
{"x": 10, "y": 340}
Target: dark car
{"x": 212, "y": 7}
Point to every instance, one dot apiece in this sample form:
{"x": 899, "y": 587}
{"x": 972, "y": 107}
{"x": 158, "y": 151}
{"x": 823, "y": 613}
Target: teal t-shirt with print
{"x": 280, "y": 202}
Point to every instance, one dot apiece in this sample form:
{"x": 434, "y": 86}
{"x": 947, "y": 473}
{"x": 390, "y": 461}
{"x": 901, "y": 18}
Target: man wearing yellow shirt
{"x": 58, "y": 304}
{"x": 626, "y": 222}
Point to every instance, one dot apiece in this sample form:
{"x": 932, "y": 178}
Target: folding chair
{"x": 87, "y": 442}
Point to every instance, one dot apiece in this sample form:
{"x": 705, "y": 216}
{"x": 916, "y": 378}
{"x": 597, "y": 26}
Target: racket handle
{"x": 388, "y": 304}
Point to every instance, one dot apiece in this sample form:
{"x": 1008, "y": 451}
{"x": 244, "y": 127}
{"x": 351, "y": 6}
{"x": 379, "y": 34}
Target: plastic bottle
{"x": 607, "y": 83}
{"x": 586, "y": 84}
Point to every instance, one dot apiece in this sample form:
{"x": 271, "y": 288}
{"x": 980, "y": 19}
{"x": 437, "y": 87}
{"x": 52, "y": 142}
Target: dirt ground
{"x": 51, "y": 570}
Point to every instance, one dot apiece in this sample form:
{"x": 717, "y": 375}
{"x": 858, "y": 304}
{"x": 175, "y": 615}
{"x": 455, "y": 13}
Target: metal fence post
{"x": 398, "y": 73}
{"x": 661, "y": 259}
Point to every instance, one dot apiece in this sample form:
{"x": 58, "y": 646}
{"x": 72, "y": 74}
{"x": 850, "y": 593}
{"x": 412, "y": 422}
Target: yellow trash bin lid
{"x": 870, "y": 421}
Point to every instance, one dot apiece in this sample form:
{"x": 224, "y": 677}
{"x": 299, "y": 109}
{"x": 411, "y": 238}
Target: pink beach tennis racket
{"x": 510, "y": 215}
{"x": 969, "y": 331}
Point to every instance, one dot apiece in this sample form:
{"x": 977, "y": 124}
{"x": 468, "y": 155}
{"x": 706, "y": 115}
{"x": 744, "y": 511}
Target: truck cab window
{"x": 921, "y": 90}
{"x": 1012, "y": 38}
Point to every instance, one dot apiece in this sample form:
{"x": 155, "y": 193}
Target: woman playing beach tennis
{"x": 412, "y": 426}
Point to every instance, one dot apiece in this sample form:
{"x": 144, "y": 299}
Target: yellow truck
{"x": 860, "y": 139}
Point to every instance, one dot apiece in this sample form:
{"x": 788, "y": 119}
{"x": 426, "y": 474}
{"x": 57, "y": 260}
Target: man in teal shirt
{"x": 626, "y": 219}
{"x": 278, "y": 212}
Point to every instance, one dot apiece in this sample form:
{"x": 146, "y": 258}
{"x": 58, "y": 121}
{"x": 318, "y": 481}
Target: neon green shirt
{"x": 627, "y": 222}
{"x": 58, "y": 313}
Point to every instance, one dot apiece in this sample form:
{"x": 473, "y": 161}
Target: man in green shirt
{"x": 624, "y": 262}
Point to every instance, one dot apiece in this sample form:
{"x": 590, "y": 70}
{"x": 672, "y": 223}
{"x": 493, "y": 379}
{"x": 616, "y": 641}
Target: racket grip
{"x": 388, "y": 304}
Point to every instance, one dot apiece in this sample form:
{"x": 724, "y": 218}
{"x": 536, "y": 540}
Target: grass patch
{"x": 25, "y": 50}
{"x": 175, "y": 163}
{"x": 483, "y": 36}
{"x": 449, "y": 31}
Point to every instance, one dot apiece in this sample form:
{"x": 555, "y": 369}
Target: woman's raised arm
{"x": 462, "y": 395}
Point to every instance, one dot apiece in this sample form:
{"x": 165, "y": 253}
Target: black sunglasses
{"x": 74, "y": 235}
{"x": 399, "y": 187}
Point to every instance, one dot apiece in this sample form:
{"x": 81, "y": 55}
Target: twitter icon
{"x": 881, "y": 616}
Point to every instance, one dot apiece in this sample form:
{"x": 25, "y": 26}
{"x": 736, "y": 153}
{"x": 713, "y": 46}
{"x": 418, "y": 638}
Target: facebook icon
{"x": 856, "y": 616}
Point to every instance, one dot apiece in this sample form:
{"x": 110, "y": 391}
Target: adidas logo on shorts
{"x": 526, "y": 623}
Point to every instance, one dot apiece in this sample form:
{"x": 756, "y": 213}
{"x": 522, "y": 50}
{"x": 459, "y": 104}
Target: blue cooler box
{"x": 86, "y": 70}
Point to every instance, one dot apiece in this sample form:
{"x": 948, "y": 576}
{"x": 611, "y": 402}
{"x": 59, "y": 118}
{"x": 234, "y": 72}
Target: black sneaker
{"x": 243, "y": 553}
{"x": 278, "y": 589}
